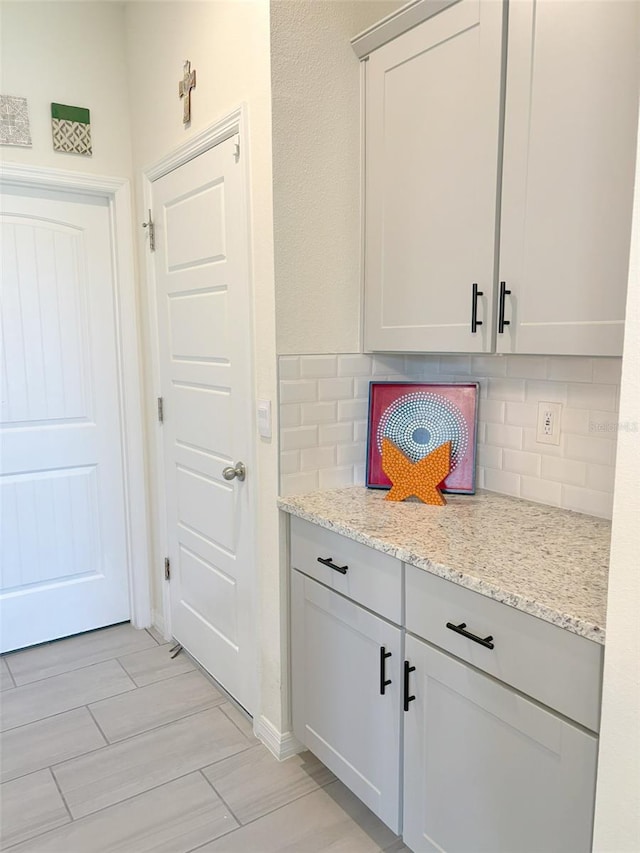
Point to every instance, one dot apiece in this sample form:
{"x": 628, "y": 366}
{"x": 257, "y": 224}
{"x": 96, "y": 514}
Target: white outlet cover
{"x": 549, "y": 416}
{"x": 264, "y": 418}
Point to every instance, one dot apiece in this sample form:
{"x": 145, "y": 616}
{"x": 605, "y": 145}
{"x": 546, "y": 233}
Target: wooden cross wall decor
{"x": 185, "y": 86}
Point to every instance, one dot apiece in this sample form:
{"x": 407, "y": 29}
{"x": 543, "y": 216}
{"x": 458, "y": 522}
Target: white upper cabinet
{"x": 432, "y": 139}
{"x": 533, "y": 103}
{"x": 567, "y": 189}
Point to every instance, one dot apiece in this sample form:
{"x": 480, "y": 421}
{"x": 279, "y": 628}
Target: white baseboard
{"x": 157, "y": 622}
{"x": 282, "y": 745}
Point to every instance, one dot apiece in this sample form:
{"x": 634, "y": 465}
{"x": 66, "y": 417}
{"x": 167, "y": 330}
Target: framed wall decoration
{"x": 419, "y": 417}
{"x": 14, "y": 121}
{"x": 71, "y": 129}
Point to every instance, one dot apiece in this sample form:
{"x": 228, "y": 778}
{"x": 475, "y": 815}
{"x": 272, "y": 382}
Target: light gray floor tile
{"x": 62, "y": 693}
{"x": 330, "y": 819}
{"x": 155, "y": 664}
{"x": 254, "y": 783}
{"x": 6, "y": 682}
{"x": 173, "y": 818}
{"x": 47, "y": 742}
{"x": 125, "y": 769}
{"x": 76, "y": 652}
{"x": 28, "y": 806}
{"x": 157, "y": 635}
{"x": 243, "y": 721}
{"x": 154, "y": 705}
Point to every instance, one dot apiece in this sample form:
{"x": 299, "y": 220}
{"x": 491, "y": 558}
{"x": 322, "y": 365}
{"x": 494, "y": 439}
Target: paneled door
{"x": 204, "y": 329}
{"x": 63, "y": 554}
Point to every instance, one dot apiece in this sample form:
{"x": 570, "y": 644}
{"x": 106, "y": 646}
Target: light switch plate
{"x": 264, "y": 418}
{"x": 548, "y": 426}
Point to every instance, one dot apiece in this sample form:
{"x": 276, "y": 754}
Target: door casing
{"x": 118, "y": 195}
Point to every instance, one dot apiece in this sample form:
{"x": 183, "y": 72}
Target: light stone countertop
{"x": 548, "y": 562}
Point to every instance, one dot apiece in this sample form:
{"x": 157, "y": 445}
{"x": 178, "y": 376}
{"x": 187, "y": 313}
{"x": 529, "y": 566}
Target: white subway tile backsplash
{"x": 587, "y": 500}
{"x": 607, "y": 370}
{"x": 318, "y": 413}
{"x": 541, "y": 491}
{"x": 527, "y": 366}
{"x": 351, "y": 454}
{"x": 335, "y": 389}
{"x": 504, "y": 482}
{"x": 521, "y": 462}
{"x": 324, "y": 411}
{"x": 298, "y": 391}
{"x": 355, "y": 365}
{"x": 590, "y": 449}
{"x": 592, "y": 396}
{"x": 315, "y": 458}
{"x": 488, "y": 365}
{"x": 503, "y": 435}
{"x": 352, "y": 410}
{"x": 290, "y": 415}
{"x": 491, "y": 410}
{"x": 521, "y": 414}
{"x": 298, "y": 438}
{"x": 318, "y": 366}
{"x": 506, "y": 389}
{"x": 564, "y": 471}
{"x": 335, "y": 478}
{"x": 566, "y": 369}
{"x": 336, "y": 433}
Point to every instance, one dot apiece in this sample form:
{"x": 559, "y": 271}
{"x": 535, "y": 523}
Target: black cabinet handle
{"x": 475, "y": 293}
{"x": 460, "y": 629}
{"x": 384, "y": 654}
{"x": 407, "y": 698}
{"x": 501, "y": 321}
{"x": 328, "y": 561}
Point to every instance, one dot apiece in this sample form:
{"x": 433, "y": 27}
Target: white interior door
{"x": 63, "y": 556}
{"x": 204, "y": 330}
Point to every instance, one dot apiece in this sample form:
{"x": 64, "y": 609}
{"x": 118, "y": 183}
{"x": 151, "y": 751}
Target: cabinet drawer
{"x": 371, "y": 578}
{"x": 554, "y": 666}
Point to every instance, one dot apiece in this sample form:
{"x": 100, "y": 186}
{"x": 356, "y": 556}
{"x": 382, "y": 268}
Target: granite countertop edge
{"x": 567, "y": 621}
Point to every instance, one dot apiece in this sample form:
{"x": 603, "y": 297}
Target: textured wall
{"x": 617, "y": 824}
{"x": 323, "y": 416}
{"x": 316, "y": 169}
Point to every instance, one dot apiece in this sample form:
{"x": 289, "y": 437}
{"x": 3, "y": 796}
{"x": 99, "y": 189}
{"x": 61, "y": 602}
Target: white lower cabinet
{"x": 487, "y": 770}
{"x": 436, "y": 733}
{"x": 339, "y": 709}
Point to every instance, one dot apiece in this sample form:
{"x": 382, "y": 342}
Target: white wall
{"x": 68, "y": 53}
{"x": 227, "y": 43}
{"x": 316, "y": 168}
{"x": 617, "y": 824}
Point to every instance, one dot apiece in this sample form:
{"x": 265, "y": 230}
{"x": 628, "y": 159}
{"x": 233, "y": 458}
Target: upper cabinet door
{"x": 432, "y": 150}
{"x": 569, "y": 153}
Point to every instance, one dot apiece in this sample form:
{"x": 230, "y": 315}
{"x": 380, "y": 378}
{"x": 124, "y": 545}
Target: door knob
{"x": 239, "y": 471}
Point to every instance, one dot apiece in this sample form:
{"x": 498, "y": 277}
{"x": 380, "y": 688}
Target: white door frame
{"x": 117, "y": 193}
{"x": 235, "y": 123}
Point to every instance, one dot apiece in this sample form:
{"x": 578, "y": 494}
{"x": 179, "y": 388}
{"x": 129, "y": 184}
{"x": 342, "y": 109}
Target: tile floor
{"x": 109, "y": 746}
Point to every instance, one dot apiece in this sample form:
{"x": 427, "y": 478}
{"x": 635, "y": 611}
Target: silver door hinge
{"x": 152, "y": 232}
{"x": 161, "y": 410}
{"x": 167, "y": 569}
{"x": 236, "y": 149}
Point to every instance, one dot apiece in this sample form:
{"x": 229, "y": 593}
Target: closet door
{"x": 432, "y": 150}
{"x": 569, "y": 154}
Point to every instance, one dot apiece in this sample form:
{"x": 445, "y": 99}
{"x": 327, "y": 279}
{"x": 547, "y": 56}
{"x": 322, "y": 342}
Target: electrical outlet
{"x": 548, "y": 428}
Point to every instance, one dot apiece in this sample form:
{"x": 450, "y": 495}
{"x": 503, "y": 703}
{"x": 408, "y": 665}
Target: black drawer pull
{"x": 459, "y": 629}
{"x": 501, "y": 305}
{"x": 384, "y": 654}
{"x": 328, "y": 561}
{"x": 475, "y": 293}
{"x": 407, "y": 698}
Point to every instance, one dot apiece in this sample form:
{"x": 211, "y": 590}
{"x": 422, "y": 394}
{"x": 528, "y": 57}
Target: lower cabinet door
{"x": 339, "y": 712}
{"x": 488, "y": 771}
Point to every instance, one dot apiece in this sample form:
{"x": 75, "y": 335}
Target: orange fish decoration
{"x": 420, "y": 478}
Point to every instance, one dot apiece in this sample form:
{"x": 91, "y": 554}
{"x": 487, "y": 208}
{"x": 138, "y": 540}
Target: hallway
{"x": 109, "y": 745}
